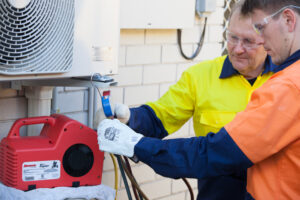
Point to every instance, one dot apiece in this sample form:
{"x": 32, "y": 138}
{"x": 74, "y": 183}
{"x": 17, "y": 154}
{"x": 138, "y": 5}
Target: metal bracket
{"x": 64, "y": 82}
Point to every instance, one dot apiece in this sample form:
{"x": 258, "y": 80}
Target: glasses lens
{"x": 248, "y": 43}
{"x": 257, "y": 29}
{"x": 231, "y": 38}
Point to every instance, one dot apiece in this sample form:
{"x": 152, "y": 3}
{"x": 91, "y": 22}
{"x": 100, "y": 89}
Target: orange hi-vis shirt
{"x": 268, "y": 133}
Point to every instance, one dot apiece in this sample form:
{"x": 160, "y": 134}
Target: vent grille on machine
{"x": 36, "y": 38}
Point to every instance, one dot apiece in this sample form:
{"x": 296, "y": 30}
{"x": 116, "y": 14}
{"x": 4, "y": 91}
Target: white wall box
{"x": 42, "y": 39}
{"x": 157, "y": 14}
{"x": 205, "y": 7}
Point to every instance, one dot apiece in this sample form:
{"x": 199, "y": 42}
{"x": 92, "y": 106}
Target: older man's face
{"x": 244, "y": 45}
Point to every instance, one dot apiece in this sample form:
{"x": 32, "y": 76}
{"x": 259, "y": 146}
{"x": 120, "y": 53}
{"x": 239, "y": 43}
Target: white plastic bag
{"x": 100, "y": 192}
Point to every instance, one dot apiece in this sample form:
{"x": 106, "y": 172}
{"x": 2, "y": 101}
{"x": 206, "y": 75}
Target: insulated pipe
{"x": 91, "y": 107}
{"x": 54, "y": 105}
{"x": 96, "y": 99}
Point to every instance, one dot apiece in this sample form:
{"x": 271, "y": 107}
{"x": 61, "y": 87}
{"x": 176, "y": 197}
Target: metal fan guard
{"x": 38, "y": 38}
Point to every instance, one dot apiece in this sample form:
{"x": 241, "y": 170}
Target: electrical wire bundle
{"x": 138, "y": 193}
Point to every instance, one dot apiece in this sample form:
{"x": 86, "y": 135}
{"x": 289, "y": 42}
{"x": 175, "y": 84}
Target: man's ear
{"x": 290, "y": 18}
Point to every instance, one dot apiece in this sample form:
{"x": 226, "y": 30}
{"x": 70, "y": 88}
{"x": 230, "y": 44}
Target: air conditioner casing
{"x": 95, "y": 38}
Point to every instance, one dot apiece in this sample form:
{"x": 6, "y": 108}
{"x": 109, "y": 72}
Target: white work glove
{"x": 117, "y": 138}
{"x": 121, "y": 111}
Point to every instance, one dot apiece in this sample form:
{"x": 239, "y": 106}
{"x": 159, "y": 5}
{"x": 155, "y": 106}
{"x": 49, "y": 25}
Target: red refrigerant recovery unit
{"x": 66, "y": 153}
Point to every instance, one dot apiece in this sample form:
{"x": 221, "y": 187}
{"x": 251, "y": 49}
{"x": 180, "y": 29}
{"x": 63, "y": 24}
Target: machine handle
{"x": 15, "y": 129}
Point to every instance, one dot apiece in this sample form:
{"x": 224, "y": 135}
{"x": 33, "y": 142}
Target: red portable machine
{"x": 66, "y": 153}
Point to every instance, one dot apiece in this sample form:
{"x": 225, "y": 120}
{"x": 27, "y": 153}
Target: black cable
{"x": 200, "y": 43}
{"x": 125, "y": 166}
{"x": 189, "y": 187}
{"x": 124, "y": 177}
{"x": 130, "y": 171}
{"x": 133, "y": 181}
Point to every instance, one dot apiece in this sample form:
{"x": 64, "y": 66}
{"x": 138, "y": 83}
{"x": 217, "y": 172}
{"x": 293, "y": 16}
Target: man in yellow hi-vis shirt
{"x": 212, "y": 92}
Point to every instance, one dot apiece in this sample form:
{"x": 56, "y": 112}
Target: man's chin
{"x": 239, "y": 65}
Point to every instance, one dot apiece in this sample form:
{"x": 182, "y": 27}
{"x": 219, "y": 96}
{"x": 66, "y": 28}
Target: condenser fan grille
{"x": 36, "y": 39}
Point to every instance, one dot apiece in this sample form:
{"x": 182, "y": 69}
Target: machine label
{"x": 41, "y": 170}
{"x": 102, "y": 53}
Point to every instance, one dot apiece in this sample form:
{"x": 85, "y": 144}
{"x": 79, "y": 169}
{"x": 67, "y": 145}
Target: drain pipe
{"x": 39, "y": 104}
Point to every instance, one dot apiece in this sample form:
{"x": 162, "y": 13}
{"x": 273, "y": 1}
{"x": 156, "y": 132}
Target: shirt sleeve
{"x": 177, "y": 105}
{"x": 166, "y": 115}
{"x": 143, "y": 120}
{"x": 196, "y": 157}
{"x": 270, "y": 121}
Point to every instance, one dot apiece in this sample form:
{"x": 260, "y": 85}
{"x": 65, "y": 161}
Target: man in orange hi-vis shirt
{"x": 265, "y": 138}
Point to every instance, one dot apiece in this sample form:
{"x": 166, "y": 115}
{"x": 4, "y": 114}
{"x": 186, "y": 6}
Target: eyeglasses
{"x": 259, "y": 27}
{"x": 247, "y": 43}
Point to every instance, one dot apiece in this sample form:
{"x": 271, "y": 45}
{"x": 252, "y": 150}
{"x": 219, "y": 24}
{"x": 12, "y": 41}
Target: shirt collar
{"x": 228, "y": 69}
{"x": 290, "y": 60}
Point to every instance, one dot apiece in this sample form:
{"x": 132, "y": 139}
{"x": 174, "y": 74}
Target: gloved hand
{"x": 117, "y": 138}
{"x": 120, "y": 111}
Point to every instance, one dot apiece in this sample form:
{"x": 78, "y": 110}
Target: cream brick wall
{"x": 150, "y": 63}
{"x": 13, "y": 105}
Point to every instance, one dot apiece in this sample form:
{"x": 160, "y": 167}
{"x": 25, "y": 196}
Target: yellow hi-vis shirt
{"x": 201, "y": 93}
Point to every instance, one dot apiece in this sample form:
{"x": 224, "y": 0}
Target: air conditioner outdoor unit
{"x": 50, "y": 39}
